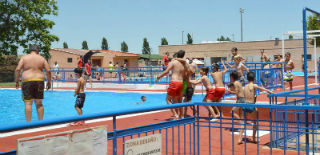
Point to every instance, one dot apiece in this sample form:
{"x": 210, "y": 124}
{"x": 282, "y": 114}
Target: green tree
{"x": 104, "y": 45}
{"x": 65, "y": 45}
{"x": 145, "y": 47}
{"x": 85, "y": 45}
{"x": 24, "y": 22}
{"x": 222, "y": 38}
{"x": 313, "y": 23}
{"x": 290, "y": 37}
{"x": 190, "y": 40}
{"x": 164, "y": 41}
{"x": 124, "y": 47}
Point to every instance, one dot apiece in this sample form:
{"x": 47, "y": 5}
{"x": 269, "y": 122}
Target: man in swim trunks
{"x": 217, "y": 77}
{"x": 234, "y": 52}
{"x": 240, "y": 67}
{"x": 288, "y": 67}
{"x": 80, "y": 62}
{"x": 33, "y": 80}
{"x": 87, "y": 74}
{"x": 264, "y": 57}
{"x": 210, "y": 97}
{"x": 175, "y": 87}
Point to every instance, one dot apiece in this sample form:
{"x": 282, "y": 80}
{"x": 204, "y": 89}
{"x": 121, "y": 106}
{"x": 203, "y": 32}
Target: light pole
{"x": 241, "y": 12}
{"x": 182, "y": 38}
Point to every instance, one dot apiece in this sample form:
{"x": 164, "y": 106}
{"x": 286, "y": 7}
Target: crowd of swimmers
{"x": 181, "y": 87}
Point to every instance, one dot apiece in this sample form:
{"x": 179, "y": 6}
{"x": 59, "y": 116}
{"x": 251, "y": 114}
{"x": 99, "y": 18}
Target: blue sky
{"x": 132, "y": 20}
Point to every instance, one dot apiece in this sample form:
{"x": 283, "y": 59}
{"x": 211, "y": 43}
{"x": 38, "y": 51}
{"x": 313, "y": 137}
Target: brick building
{"x": 249, "y": 50}
{"x": 69, "y": 57}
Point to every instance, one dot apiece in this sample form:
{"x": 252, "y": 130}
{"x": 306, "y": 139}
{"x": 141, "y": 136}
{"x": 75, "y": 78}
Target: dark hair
{"x": 215, "y": 66}
{"x": 174, "y": 55}
{"x": 78, "y": 70}
{"x": 167, "y": 53}
{"x": 230, "y": 84}
{"x": 180, "y": 54}
{"x": 250, "y": 76}
{"x": 205, "y": 69}
{"x": 234, "y": 49}
{"x": 288, "y": 53}
{"x": 33, "y": 47}
{"x": 142, "y": 97}
{"x": 234, "y": 75}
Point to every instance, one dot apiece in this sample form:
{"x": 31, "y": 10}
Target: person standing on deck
{"x": 176, "y": 84}
{"x": 288, "y": 67}
{"x": 33, "y": 80}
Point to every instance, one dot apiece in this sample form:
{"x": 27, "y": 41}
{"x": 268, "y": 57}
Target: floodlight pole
{"x": 241, "y": 12}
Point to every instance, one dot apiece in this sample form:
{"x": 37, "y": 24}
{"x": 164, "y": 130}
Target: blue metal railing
{"x": 198, "y": 135}
{"x": 270, "y": 78}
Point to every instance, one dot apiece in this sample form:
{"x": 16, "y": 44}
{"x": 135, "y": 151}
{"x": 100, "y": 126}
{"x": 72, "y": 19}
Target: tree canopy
{"x": 104, "y": 44}
{"x": 65, "y": 45}
{"x": 190, "y": 40}
{"x": 85, "y": 45}
{"x": 164, "y": 41}
{"x": 124, "y": 47}
{"x": 313, "y": 23}
{"x": 145, "y": 47}
{"x": 24, "y": 22}
{"x": 222, "y": 38}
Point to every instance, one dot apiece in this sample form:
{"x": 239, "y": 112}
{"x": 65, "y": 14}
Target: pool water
{"x": 58, "y": 104}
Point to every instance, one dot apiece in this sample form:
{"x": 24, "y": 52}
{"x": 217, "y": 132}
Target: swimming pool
{"x": 59, "y": 104}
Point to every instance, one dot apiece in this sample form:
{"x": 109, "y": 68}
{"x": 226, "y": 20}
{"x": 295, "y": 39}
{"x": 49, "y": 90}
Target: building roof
{"x": 152, "y": 56}
{"x": 103, "y": 52}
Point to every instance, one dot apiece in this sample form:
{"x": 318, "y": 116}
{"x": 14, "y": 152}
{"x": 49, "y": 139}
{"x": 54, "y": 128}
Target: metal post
{"x": 241, "y": 12}
{"x": 305, "y": 77}
{"x": 114, "y": 135}
{"x": 315, "y": 60}
{"x": 182, "y": 38}
{"x": 282, "y": 64}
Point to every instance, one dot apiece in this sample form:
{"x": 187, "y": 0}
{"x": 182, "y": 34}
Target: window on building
{"x": 309, "y": 57}
{"x": 69, "y": 60}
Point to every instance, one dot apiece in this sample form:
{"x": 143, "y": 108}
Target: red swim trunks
{"x": 175, "y": 89}
{"x": 210, "y": 94}
{"x": 219, "y": 92}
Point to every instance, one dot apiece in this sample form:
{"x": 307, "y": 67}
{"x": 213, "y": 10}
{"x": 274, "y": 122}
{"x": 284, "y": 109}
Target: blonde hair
{"x": 237, "y": 57}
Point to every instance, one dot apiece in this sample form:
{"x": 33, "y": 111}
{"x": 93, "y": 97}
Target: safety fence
{"x": 296, "y": 122}
{"x": 199, "y": 134}
{"x": 269, "y": 77}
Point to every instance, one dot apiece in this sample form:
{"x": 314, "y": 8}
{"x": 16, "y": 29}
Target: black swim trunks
{"x": 80, "y": 100}
{"x": 32, "y": 89}
{"x": 189, "y": 93}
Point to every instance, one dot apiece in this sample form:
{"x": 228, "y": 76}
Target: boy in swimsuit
{"x": 210, "y": 97}
{"x": 240, "y": 67}
{"x": 81, "y": 96}
{"x": 250, "y": 97}
{"x": 217, "y": 77}
{"x": 175, "y": 87}
{"x": 235, "y": 87}
{"x": 288, "y": 67}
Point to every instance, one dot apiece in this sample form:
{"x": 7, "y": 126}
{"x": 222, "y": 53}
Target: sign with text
{"x": 148, "y": 145}
{"x": 89, "y": 141}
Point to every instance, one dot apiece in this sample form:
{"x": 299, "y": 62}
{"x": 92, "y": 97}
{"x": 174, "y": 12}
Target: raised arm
{"x": 225, "y": 68}
{"x": 18, "y": 71}
{"x": 165, "y": 72}
{"x": 263, "y": 89}
{"x": 48, "y": 72}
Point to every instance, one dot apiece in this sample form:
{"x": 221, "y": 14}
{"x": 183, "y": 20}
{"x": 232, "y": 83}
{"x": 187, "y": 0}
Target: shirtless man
{"x": 250, "y": 97}
{"x": 234, "y": 52}
{"x": 288, "y": 67}
{"x": 194, "y": 69}
{"x": 240, "y": 67}
{"x": 175, "y": 87}
{"x": 210, "y": 97}
{"x": 33, "y": 80}
{"x": 264, "y": 57}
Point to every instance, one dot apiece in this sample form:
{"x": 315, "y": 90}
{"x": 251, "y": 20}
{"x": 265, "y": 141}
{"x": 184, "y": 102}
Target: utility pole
{"x": 182, "y": 38}
{"x": 241, "y": 12}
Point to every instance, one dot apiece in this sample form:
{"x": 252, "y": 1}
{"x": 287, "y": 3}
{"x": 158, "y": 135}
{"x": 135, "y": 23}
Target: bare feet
{"x": 213, "y": 120}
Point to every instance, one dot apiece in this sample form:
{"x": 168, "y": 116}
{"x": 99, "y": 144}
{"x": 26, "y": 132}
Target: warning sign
{"x": 148, "y": 145}
{"x": 90, "y": 141}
